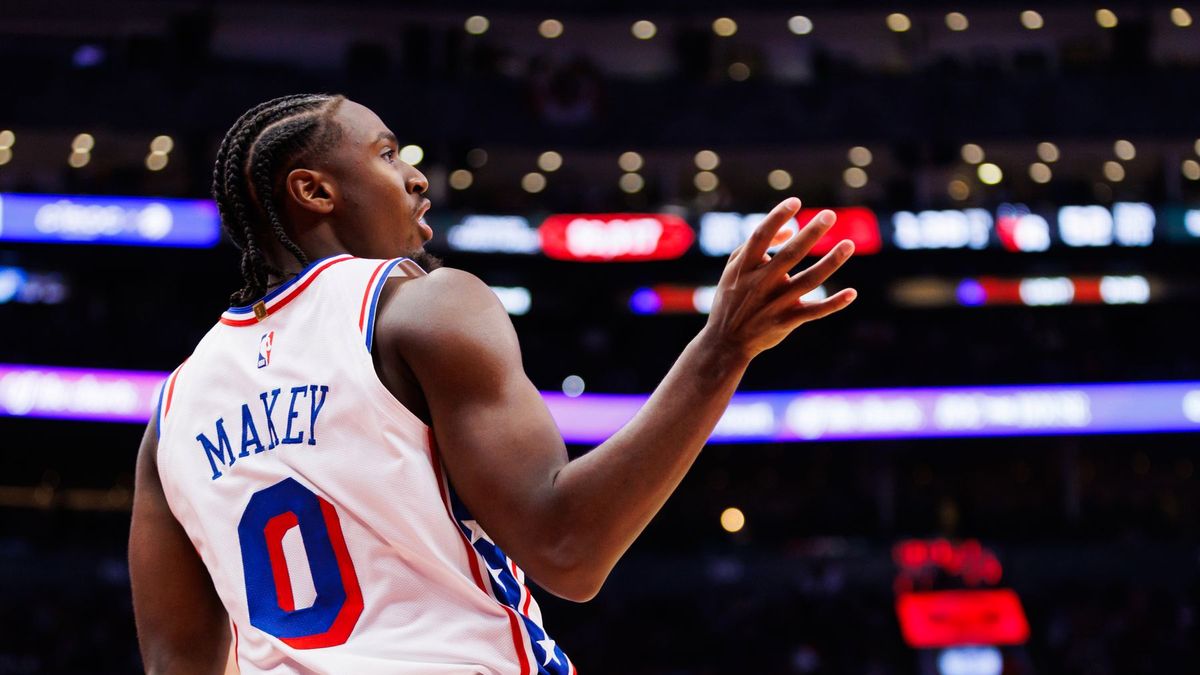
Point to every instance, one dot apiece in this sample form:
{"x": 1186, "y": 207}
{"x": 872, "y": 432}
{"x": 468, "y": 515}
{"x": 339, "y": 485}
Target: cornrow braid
{"x": 266, "y": 140}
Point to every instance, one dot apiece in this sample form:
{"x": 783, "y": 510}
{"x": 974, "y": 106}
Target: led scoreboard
{"x": 953, "y": 608}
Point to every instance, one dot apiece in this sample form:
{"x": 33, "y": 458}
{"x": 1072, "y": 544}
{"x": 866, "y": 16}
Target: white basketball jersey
{"x": 320, "y": 506}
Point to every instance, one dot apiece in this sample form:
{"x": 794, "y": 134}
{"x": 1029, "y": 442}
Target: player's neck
{"x": 314, "y": 248}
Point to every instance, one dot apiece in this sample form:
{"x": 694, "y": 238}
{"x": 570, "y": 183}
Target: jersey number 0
{"x": 269, "y": 515}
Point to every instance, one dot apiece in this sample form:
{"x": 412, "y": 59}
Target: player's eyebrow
{"x": 386, "y": 136}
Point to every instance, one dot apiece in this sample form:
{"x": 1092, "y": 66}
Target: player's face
{"x": 381, "y": 203}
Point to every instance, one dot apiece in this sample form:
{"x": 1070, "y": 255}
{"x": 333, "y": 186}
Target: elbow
{"x": 570, "y": 574}
{"x": 576, "y": 586}
{"x": 581, "y": 589}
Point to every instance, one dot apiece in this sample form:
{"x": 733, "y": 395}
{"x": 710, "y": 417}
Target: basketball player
{"x": 352, "y": 474}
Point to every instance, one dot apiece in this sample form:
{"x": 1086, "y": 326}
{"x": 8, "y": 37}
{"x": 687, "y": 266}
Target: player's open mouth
{"x": 426, "y": 230}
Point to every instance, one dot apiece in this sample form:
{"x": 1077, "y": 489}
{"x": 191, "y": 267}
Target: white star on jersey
{"x": 477, "y": 532}
{"x": 548, "y": 645}
{"x": 496, "y": 575}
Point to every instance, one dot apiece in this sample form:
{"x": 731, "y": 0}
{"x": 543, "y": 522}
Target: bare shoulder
{"x": 445, "y": 307}
{"x": 448, "y": 282}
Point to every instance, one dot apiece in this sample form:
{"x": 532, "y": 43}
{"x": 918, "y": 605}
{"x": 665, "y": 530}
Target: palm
{"x": 758, "y": 298}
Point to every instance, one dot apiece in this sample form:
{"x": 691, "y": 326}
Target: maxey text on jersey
{"x": 259, "y": 424}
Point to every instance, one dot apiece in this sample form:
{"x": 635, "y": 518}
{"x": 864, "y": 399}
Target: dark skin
{"x": 459, "y": 369}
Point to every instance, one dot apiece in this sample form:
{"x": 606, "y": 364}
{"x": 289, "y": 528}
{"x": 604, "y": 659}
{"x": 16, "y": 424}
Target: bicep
{"x": 182, "y": 626}
{"x": 496, "y": 437}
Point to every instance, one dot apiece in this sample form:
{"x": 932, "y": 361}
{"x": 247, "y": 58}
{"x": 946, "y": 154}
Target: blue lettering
{"x": 220, "y": 454}
{"x": 316, "y": 410}
{"x": 288, "y": 438}
{"x": 219, "y": 449}
{"x": 249, "y": 433}
{"x": 273, "y": 437}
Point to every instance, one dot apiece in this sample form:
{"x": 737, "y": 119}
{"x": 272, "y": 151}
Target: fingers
{"x": 810, "y": 311}
{"x": 814, "y": 276}
{"x": 799, "y": 245}
{"x": 760, "y": 240}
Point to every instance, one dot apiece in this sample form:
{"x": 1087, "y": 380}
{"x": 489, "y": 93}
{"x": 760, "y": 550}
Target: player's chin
{"x": 425, "y": 259}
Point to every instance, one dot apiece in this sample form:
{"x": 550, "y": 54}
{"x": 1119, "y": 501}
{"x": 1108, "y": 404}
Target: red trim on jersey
{"x": 362, "y": 313}
{"x": 278, "y": 304}
{"x": 171, "y": 390}
{"x": 236, "y": 664}
{"x": 346, "y": 619}
{"x": 528, "y": 600}
{"x": 514, "y": 623}
{"x": 274, "y": 531}
{"x": 518, "y": 642}
{"x": 524, "y": 589}
{"x": 437, "y": 471}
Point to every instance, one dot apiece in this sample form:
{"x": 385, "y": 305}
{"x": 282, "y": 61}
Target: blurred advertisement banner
{"x": 130, "y": 221}
{"x": 602, "y": 237}
{"x": 830, "y": 415}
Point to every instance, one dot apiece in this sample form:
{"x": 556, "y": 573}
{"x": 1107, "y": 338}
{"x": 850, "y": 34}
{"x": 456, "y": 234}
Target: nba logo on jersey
{"x": 264, "y": 349}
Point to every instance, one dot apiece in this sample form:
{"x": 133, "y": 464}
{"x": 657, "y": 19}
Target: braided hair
{"x": 262, "y": 146}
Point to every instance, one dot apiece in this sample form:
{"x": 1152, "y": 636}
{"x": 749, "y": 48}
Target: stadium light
{"x": 550, "y": 28}
{"x": 630, "y": 161}
{"x": 533, "y": 182}
{"x": 1106, "y": 18}
{"x": 643, "y": 29}
{"x": 707, "y": 160}
{"x": 549, "y": 161}
{"x": 989, "y": 174}
{"x": 898, "y": 22}
{"x": 724, "y": 26}
{"x": 1040, "y": 173}
{"x": 860, "y": 156}
{"x": 461, "y": 179}
{"x": 800, "y": 25}
{"x": 972, "y": 153}
{"x": 477, "y": 25}
{"x": 854, "y": 177}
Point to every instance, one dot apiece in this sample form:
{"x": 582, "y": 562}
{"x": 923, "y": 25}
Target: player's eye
{"x": 389, "y": 155}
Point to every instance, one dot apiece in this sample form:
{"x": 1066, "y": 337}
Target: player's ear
{"x": 311, "y": 190}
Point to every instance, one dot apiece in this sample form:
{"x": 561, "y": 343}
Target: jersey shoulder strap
{"x": 384, "y": 270}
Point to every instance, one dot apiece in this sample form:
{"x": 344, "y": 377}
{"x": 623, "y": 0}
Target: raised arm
{"x": 567, "y": 523}
{"x": 182, "y": 626}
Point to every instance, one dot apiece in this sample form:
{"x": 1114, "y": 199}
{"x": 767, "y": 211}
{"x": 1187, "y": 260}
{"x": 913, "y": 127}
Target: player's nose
{"x": 416, "y": 183}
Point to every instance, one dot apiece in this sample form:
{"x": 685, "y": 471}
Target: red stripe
{"x": 171, "y": 390}
{"x": 362, "y": 313}
{"x": 239, "y": 322}
{"x": 274, "y": 531}
{"x": 518, "y": 643}
{"x": 279, "y": 304}
{"x": 524, "y": 589}
{"x": 352, "y": 609}
{"x": 513, "y": 621}
{"x": 237, "y": 664}
{"x": 433, "y": 457}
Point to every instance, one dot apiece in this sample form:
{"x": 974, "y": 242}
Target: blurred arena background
{"x": 986, "y": 465}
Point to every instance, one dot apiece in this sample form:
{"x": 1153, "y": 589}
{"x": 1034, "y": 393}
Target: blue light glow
{"x": 971, "y": 294}
{"x": 645, "y": 301}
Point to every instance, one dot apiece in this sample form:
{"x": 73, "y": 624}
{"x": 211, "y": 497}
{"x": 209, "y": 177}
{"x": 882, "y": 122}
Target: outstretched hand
{"x": 758, "y": 298}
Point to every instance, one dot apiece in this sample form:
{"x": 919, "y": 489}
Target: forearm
{"x": 214, "y": 665}
{"x": 604, "y": 499}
